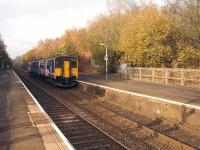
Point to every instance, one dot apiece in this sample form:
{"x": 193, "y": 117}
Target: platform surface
{"x": 178, "y": 94}
{"x": 23, "y": 126}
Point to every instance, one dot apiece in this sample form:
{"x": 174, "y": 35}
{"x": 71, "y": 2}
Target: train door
{"x": 66, "y": 69}
{"x": 74, "y": 68}
{"x": 51, "y": 68}
{"x": 42, "y": 68}
{"x": 35, "y": 68}
{"x": 58, "y": 73}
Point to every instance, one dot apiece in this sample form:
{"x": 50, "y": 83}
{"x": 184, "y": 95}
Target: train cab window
{"x": 59, "y": 62}
{"x": 73, "y": 64}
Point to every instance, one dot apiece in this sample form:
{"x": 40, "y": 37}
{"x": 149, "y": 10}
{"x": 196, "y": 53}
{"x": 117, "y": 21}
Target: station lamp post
{"x": 106, "y": 59}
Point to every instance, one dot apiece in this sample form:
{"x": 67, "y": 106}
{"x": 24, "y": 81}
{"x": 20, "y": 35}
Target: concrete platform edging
{"x": 145, "y": 96}
{"x": 64, "y": 139}
{"x": 178, "y": 112}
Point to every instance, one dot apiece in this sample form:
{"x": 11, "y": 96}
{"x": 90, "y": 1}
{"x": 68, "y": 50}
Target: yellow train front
{"x": 61, "y": 71}
{"x": 66, "y": 71}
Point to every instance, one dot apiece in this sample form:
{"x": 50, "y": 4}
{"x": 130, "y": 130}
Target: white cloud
{"x": 25, "y": 22}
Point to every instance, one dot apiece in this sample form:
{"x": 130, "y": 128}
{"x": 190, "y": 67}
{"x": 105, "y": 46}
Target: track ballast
{"x": 82, "y": 134}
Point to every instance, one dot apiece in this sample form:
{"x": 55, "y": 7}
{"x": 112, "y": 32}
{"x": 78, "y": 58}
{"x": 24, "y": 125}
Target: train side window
{"x": 73, "y": 64}
{"x": 48, "y": 66}
{"x": 41, "y": 66}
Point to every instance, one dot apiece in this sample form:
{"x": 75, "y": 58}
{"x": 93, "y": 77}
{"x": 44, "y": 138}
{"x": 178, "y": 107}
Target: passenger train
{"x": 61, "y": 71}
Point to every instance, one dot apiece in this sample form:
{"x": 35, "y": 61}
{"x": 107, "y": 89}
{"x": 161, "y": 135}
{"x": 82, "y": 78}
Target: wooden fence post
{"x": 166, "y": 76}
{"x": 153, "y": 74}
{"x": 182, "y": 77}
{"x": 126, "y": 73}
{"x": 129, "y": 72}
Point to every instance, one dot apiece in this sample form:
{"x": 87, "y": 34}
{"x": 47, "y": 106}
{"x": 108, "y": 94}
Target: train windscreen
{"x": 73, "y": 64}
{"x": 59, "y": 62}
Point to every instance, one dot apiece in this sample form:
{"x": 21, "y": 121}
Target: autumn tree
{"x": 106, "y": 29}
{"x": 149, "y": 38}
{"x": 188, "y": 58}
{"x": 187, "y": 15}
{"x": 74, "y": 41}
{"x": 5, "y": 60}
{"x": 28, "y": 56}
{"x": 121, "y": 6}
{"x": 2, "y": 48}
{"x": 143, "y": 34}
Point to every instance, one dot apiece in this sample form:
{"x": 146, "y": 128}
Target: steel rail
{"x": 88, "y": 122}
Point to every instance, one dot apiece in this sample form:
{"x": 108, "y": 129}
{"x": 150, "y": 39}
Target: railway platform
{"x": 23, "y": 124}
{"x": 175, "y": 94}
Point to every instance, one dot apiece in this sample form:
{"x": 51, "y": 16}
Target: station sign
{"x": 106, "y": 57}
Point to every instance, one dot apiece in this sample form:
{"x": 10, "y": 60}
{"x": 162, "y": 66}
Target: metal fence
{"x": 174, "y": 77}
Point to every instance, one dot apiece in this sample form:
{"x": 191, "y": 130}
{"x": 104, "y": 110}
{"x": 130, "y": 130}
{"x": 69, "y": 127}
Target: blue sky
{"x": 25, "y": 22}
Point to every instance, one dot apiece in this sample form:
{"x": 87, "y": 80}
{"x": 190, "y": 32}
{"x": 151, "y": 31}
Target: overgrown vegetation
{"x": 142, "y": 34}
{"x": 5, "y": 61}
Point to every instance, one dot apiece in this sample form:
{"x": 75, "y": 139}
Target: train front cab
{"x": 66, "y": 71}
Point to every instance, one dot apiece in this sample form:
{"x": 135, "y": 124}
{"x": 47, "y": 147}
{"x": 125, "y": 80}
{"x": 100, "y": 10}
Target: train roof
{"x": 65, "y": 56}
{"x": 61, "y": 56}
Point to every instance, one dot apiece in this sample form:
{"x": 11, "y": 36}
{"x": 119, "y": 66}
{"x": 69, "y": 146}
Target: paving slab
{"x": 23, "y": 126}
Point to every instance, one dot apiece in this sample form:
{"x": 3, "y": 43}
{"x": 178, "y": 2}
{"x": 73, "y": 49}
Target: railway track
{"x": 134, "y": 131}
{"x": 178, "y": 135}
{"x": 174, "y": 136}
{"x": 82, "y": 134}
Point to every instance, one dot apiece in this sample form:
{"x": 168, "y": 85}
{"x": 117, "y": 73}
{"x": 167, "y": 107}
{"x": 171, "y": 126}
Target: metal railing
{"x": 168, "y": 76}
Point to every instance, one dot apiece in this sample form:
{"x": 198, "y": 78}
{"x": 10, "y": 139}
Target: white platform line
{"x": 33, "y": 124}
{"x": 67, "y": 143}
{"x": 35, "y": 112}
{"x": 152, "y": 98}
